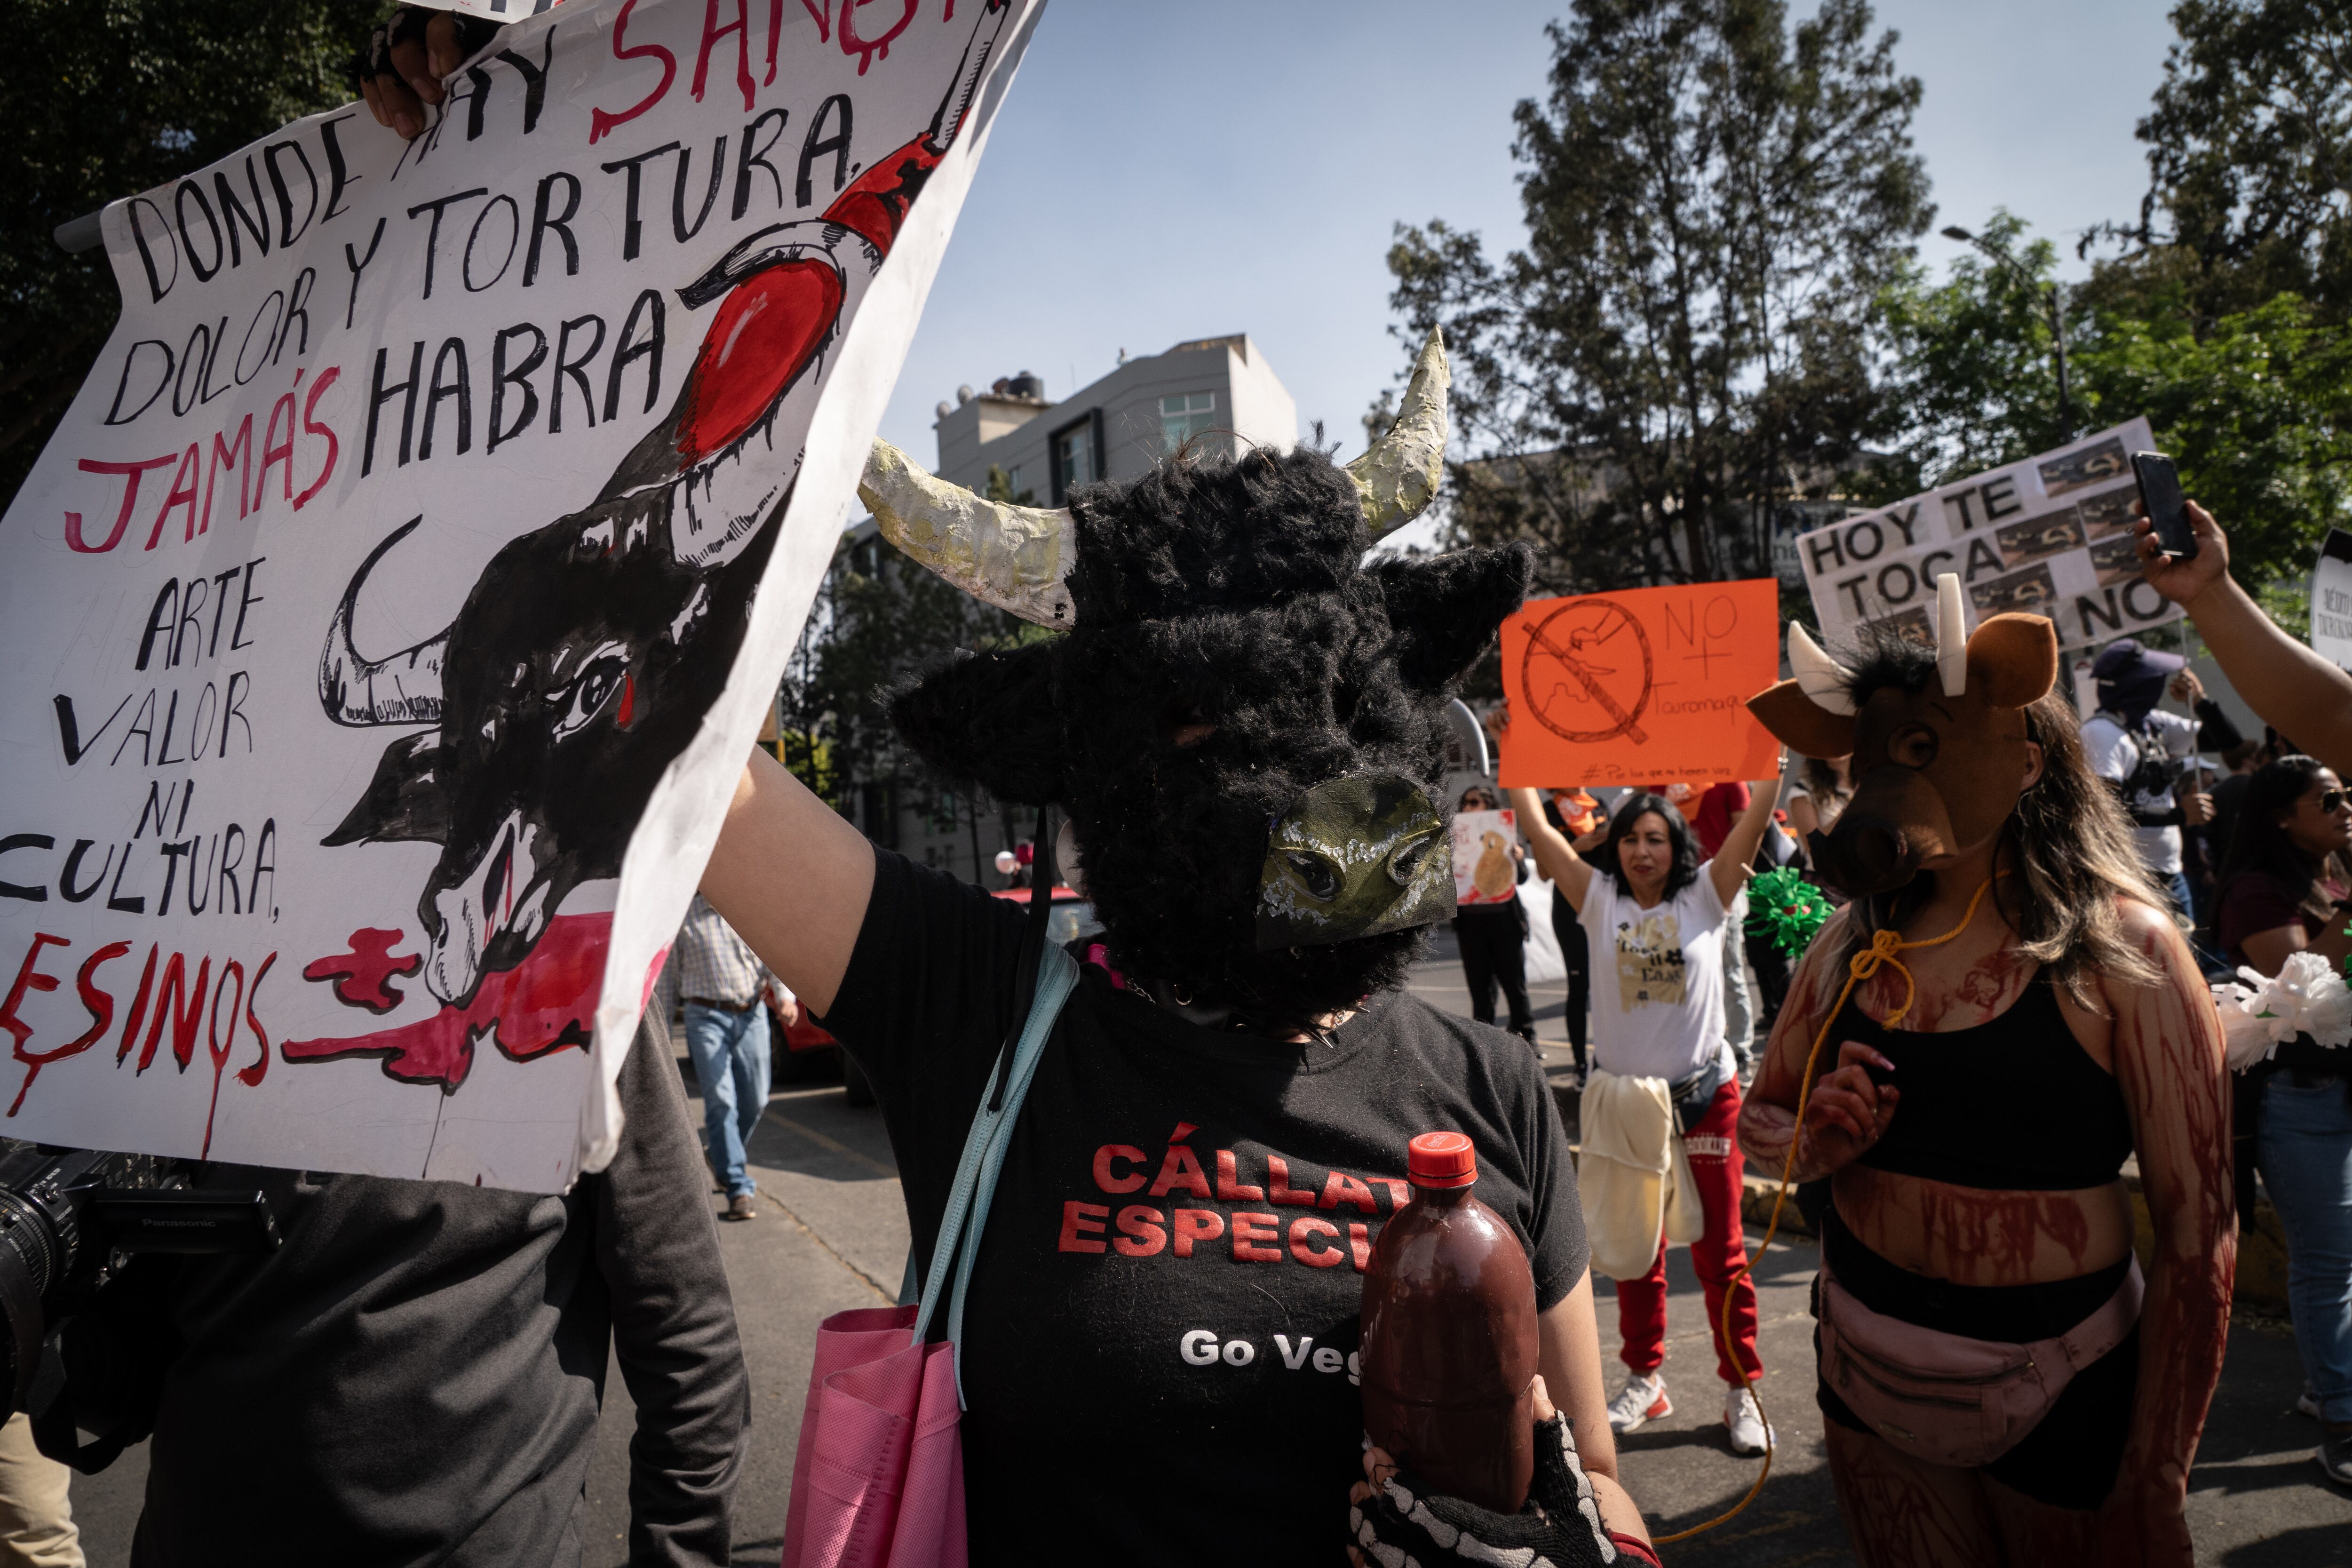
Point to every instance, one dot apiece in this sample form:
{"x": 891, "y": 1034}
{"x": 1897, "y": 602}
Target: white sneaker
{"x": 2307, "y": 1402}
{"x": 1745, "y": 1422}
{"x": 1642, "y": 1401}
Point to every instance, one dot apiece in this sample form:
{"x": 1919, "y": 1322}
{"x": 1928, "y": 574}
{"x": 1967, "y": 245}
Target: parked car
{"x": 810, "y": 1054}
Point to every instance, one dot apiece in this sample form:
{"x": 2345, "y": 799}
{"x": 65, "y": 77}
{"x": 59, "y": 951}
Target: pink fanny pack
{"x": 1946, "y": 1398}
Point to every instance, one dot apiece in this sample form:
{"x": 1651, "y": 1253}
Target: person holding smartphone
{"x": 2290, "y": 688}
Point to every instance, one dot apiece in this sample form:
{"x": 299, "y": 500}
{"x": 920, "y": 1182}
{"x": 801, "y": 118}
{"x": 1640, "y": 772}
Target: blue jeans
{"x": 2304, "y": 1148}
{"x": 731, "y": 1061}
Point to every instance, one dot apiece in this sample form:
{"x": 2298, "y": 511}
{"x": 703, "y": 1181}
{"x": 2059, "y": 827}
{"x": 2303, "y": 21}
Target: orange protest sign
{"x": 1643, "y": 686}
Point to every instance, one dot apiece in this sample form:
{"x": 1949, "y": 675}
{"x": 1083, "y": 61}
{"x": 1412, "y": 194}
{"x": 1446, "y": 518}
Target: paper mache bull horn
{"x": 1245, "y": 723}
{"x": 1937, "y": 738}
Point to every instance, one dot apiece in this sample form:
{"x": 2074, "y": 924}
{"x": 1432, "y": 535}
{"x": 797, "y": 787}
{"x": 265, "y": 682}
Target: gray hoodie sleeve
{"x": 673, "y": 1322}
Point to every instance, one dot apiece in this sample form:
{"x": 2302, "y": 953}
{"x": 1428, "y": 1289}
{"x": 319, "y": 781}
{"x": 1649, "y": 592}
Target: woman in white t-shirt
{"x": 1657, "y": 919}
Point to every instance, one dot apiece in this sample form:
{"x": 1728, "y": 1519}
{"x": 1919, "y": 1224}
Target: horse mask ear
{"x": 1799, "y": 723}
{"x": 988, "y": 718}
{"x": 2013, "y": 659}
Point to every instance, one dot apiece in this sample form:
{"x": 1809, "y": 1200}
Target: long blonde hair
{"x": 2074, "y": 858}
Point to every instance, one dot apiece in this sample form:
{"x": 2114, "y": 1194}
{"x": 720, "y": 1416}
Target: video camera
{"x": 69, "y": 1218}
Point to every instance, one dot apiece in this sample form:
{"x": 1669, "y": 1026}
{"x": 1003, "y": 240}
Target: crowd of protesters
{"x": 415, "y": 1376}
{"x": 2250, "y": 855}
{"x": 1648, "y": 884}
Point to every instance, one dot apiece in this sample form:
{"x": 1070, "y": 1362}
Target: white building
{"x": 1117, "y": 427}
{"x": 1205, "y": 392}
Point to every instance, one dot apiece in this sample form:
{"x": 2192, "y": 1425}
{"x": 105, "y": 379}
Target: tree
{"x": 109, "y": 100}
{"x": 2256, "y": 410}
{"x": 2250, "y": 157}
{"x": 1971, "y": 382}
{"x": 1714, "y": 202}
{"x": 2257, "y": 413}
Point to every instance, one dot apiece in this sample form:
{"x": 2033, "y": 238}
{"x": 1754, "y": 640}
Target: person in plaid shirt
{"x": 723, "y": 983}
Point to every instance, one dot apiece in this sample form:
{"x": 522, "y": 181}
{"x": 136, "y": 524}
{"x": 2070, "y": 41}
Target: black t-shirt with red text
{"x": 1160, "y": 1344}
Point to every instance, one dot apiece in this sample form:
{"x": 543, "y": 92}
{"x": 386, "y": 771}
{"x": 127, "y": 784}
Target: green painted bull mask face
{"x": 1354, "y": 857}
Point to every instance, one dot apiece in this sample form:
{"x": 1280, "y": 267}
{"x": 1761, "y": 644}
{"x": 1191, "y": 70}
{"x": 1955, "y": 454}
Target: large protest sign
{"x": 395, "y": 606}
{"x": 2331, "y": 600}
{"x": 2051, "y": 535}
{"x": 1642, "y": 686}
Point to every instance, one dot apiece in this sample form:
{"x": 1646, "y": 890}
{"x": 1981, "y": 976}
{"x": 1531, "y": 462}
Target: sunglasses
{"x": 2333, "y": 800}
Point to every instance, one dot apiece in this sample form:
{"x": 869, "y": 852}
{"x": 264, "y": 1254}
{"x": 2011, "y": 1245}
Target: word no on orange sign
{"x": 1646, "y": 686}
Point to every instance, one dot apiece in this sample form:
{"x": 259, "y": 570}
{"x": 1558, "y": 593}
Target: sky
{"x": 1161, "y": 172}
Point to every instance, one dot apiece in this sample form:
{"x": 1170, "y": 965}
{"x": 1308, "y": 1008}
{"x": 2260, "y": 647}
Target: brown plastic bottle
{"x": 1449, "y": 1351}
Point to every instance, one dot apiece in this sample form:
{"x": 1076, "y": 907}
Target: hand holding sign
{"x": 400, "y": 68}
{"x": 1640, "y": 685}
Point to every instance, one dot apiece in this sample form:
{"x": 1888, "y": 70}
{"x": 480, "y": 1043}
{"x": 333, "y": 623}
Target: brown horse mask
{"x": 1936, "y": 772}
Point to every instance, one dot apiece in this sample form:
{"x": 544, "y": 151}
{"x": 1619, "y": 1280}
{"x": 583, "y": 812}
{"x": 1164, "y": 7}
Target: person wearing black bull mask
{"x": 2142, "y": 750}
{"x": 1244, "y": 727}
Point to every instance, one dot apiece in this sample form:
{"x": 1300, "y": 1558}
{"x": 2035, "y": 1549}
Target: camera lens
{"x": 31, "y": 1255}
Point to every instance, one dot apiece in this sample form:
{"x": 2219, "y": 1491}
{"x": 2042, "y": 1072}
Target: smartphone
{"x": 2161, "y": 497}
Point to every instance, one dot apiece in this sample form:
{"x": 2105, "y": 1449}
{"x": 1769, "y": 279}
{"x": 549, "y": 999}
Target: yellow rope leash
{"x": 1883, "y": 946}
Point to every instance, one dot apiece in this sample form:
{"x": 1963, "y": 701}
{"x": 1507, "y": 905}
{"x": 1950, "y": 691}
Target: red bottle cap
{"x": 1441, "y": 1160}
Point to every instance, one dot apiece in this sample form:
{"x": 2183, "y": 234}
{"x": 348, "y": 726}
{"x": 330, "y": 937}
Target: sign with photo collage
{"x": 2051, "y": 535}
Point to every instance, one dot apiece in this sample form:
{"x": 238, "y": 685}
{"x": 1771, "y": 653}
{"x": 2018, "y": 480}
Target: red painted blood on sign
{"x": 543, "y": 1005}
{"x": 363, "y": 976}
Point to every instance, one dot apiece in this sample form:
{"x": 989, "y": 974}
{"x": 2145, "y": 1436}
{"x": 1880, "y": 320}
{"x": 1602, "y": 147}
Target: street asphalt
{"x": 832, "y": 1234}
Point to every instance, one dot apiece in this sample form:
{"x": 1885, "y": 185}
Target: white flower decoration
{"x": 2307, "y": 997}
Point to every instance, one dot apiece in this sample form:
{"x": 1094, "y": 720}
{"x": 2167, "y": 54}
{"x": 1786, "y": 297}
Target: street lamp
{"x": 2052, "y": 299}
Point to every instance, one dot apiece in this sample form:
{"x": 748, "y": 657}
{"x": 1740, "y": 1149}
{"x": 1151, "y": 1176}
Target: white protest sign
{"x": 2050, "y": 535}
{"x": 1483, "y": 870}
{"x": 2331, "y": 600}
{"x": 395, "y": 606}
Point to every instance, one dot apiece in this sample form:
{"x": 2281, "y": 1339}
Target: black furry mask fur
{"x": 1229, "y": 594}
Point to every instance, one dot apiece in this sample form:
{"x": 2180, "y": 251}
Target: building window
{"x": 1074, "y": 457}
{"x": 1185, "y": 416}
{"x": 1013, "y": 483}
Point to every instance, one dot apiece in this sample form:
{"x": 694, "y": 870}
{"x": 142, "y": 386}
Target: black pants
{"x": 1493, "y": 948}
{"x": 1576, "y": 952}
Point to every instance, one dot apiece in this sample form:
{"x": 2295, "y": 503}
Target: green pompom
{"x": 1788, "y": 908}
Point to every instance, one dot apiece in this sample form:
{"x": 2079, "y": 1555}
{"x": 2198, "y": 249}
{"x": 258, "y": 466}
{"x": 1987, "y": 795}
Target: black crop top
{"x": 2010, "y": 1104}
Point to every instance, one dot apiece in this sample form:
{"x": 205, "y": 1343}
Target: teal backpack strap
{"x": 983, "y": 1158}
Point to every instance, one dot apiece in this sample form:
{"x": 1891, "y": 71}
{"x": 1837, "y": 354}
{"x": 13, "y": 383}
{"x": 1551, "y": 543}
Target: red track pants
{"x": 1714, "y": 1148}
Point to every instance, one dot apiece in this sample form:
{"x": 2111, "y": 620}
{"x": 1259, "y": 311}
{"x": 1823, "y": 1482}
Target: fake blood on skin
{"x": 1450, "y": 1347}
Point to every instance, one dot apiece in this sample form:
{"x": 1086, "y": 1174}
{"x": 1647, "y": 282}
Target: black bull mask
{"x": 1936, "y": 772}
{"x": 1228, "y": 662}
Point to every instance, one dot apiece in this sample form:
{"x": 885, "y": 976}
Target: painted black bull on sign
{"x": 586, "y": 653}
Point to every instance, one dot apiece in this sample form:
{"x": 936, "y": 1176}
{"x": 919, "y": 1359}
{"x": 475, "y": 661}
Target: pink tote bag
{"x": 877, "y": 1480}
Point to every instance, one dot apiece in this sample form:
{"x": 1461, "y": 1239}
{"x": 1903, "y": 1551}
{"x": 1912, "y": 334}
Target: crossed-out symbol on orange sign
{"x": 1589, "y": 654}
